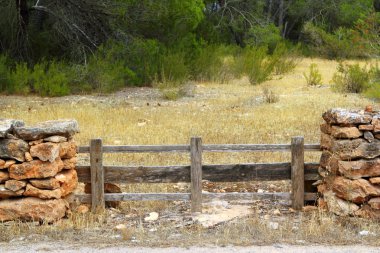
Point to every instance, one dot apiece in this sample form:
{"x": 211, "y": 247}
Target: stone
{"x": 360, "y": 168}
{"x": 108, "y": 188}
{"x": 346, "y": 117}
{"x": 46, "y": 151}
{"x": 366, "y": 127}
{"x": 153, "y": 216}
{"x": 329, "y": 161}
{"x": 309, "y": 208}
{"x": 82, "y": 209}
{"x": 2, "y": 163}
{"x": 69, "y": 164}
{"x": 56, "y": 139}
{"x": 7, "y": 126}
{"x": 339, "y": 206}
{"x": 369, "y": 136}
{"x": 68, "y": 180}
{"x": 325, "y": 128}
{"x": 46, "y": 183}
{"x": 9, "y": 163}
{"x": 377, "y": 136}
{"x": 28, "y": 157}
{"x": 4, "y": 176}
{"x": 15, "y": 185}
{"x": 374, "y": 203}
{"x": 5, "y": 193}
{"x": 32, "y": 191}
{"x": 322, "y": 188}
{"x": 13, "y": 149}
{"x": 374, "y": 180}
{"x": 35, "y": 169}
{"x": 345, "y": 132}
{"x": 326, "y": 141}
{"x": 68, "y": 150}
{"x": 376, "y": 124}
{"x": 33, "y": 209}
{"x": 356, "y": 148}
{"x": 368, "y": 213}
{"x": 66, "y": 128}
{"x": 356, "y": 191}
{"x": 35, "y": 142}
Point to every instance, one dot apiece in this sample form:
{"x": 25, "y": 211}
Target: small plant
{"x": 374, "y": 88}
{"x": 314, "y": 77}
{"x": 270, "y": 97}
{"x": 351, "y": 78}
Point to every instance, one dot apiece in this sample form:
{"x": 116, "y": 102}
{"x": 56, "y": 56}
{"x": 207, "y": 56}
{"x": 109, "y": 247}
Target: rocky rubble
{"x": 350, "y": 162}
{"x": 37, "y": 169}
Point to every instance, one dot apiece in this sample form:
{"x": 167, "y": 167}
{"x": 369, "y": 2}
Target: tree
{"x": 69, "y": 28}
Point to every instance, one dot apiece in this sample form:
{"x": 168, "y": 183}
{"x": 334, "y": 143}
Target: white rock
{"x": 365, "y": 233}
{"x": 153, "y": 216}
{"x": 273, "y": 225}
{"x": 260, "y": 191}
{"x": 121, "y": 227}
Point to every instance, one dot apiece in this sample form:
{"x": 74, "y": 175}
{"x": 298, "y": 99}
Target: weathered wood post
{"x": 196, "y": 174}
{"x": 298, "y": 177}
{"x": 97, "y": 176}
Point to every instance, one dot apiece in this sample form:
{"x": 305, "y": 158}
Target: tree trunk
{"x": 23, "y": 14}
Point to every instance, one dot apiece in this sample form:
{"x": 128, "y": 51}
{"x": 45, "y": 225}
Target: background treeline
{"x": 55, "y": 47}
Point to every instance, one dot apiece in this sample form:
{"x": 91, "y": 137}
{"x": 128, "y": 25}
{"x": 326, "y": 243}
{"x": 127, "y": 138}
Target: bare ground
{"x": 277, "y": 248}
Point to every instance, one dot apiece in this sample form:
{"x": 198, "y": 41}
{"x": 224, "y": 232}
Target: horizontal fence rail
{"x": 297, "y": 171}
{"x": 209, "y": 196}
{"x": 212, "y": 173}
{"x": 206, "y": 148}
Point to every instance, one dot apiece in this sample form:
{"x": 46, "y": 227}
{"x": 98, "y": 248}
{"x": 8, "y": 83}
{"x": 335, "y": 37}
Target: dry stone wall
{"x": 37, "y": 169}
{"x": 350, "y": 162}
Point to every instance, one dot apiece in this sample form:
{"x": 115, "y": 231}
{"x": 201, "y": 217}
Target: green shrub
{"x": 373, "y": 90}
{"x": 50, "y": 79}
{"x": 339, "y": 44}
{"x": 254, "y": 63}
{"x": 284, "y": 59}
{"x": 107, "y": 72}
{"x": 144, "y": 58}
{"x": 314, "y": 77}
{"x": 20, "y": 81}
{"x": 214, "y": 63}
{"x": 173, "y": 71}
{"x": 351, "y": 78}
{"x": 264, "y": 35}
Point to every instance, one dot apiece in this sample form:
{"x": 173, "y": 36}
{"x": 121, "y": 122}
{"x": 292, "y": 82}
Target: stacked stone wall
{"x": 37, "y": 169}
{"x": 350, "y": 162}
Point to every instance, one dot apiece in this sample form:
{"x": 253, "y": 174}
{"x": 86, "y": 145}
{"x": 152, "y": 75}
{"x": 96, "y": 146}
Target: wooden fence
{"x": 297, "y": 171}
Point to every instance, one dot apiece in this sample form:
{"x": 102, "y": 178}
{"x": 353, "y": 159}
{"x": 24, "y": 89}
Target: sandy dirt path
{"x": 278, "y": 248}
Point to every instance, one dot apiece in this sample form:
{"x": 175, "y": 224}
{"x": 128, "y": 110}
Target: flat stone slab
{"x": 13, "y": 149}
{"x": 354, "y": 149}
{"x": 33, "y": 209}
{"x": 66, "y": 128}
{"x": 7, "y": 125}
{"x": 347, "y": 117}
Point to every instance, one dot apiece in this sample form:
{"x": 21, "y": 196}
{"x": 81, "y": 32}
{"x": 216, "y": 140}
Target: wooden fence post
{"x": 97, "y": 175}
{"x": 298, "y": 177}
{"x": 196, "y": 174}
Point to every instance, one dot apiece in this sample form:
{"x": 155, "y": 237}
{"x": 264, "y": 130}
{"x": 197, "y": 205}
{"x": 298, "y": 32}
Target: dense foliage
{"x": 54, "y": 47}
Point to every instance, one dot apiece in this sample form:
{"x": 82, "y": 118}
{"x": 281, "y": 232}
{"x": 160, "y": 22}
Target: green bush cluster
{"x": 313, "y": 77}
{"x": 352, "y": 78}
{"x": 144, "y": 62}
{"x": 261, "y": 66}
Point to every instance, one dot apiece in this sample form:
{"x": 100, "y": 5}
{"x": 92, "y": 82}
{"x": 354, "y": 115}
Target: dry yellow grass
{"x": 219, "y": 113}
